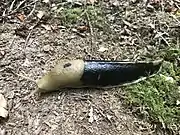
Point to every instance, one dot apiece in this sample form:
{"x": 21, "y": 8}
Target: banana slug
{"x": 96, "y": 73}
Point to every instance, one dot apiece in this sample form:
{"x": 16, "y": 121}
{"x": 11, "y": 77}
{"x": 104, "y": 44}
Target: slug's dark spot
{"x": 67, "y": 65}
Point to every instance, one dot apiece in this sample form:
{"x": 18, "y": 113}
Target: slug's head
{"x": 65, "y": 74}
{"x": 46, "y": 84}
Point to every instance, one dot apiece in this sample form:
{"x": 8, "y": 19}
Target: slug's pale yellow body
{"x": 65, "y": 74}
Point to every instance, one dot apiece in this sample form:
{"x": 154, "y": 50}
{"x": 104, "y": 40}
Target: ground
{"x": 129, "y": 31}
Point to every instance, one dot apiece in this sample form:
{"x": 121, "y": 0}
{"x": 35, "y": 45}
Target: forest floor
{"x": 34, "y": 35}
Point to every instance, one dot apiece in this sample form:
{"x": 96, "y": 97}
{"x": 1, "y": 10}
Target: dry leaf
{"x": 47, "y": 27}
{"x": 3, "y": 106}
{"x": 91, "y": 119}
{"x": 40, "y": 14}
{"x": 102, "y": 49}
{"x": 21, "y": 17}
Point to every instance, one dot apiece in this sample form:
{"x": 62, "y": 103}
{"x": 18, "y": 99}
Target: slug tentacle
{"x": 96, "y": 73}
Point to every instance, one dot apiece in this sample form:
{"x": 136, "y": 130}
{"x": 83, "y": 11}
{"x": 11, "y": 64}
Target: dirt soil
{"x": 72, "y": 111}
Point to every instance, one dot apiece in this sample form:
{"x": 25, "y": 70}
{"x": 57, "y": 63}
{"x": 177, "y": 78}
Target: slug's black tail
{"x": 108, "y": 73}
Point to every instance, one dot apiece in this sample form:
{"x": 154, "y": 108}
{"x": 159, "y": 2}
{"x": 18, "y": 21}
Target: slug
{"x": 96, "y": 73}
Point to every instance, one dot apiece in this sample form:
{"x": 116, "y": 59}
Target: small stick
{"x": 19, "y": 5}
{"x": 30, "y": 4}
{"x": 32, "y": 11}
{"x": 165, "y": 40}
{"x": 4, "y": 15}
{"x": 12, "y": 4}
{"x": 29, "y": 79}
{"x": 91, "y": 31}
{"x": 22, "y": 76}
{"x": 27, "y": 39}
{"x": 31, "y": 94}
{"x": 12, "y": 41}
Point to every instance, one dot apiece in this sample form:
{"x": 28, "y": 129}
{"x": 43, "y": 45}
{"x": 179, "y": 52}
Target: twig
{"x": 91, "y": 31}
{"x": 32, "y": 11}
{"x": 24, "y": 77}
{"x": 4, "y": 15}
{"x": 30, "y": 4}
{"x": 174, "y": 17}
{"x": 80, "y": 34}
{"x": 27, "y": 39}
{"x": 12, "y": 41}
{"x": 10, "y": 70}
{"x": 36, "y": 24}
{"x": 31, "y": 94}
{"x": 22, "y": 2}
{"x": 178, "y": 45}
{"x": 165, "y": 40}
{"x": 12, "y": 4}
{"x": 178, "y": 1}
